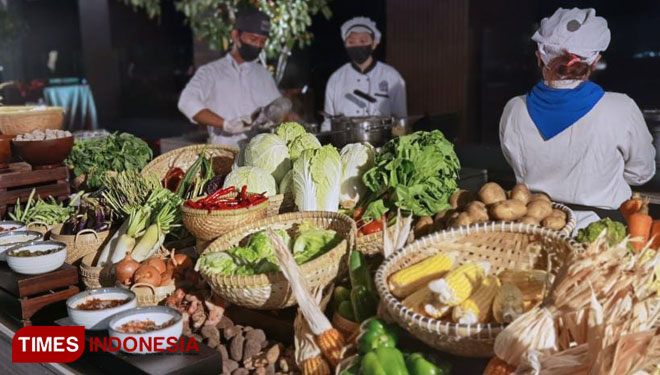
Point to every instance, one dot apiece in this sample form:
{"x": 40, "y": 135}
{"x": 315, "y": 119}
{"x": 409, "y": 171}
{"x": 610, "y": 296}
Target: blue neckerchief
{"x": 554, "y": 110}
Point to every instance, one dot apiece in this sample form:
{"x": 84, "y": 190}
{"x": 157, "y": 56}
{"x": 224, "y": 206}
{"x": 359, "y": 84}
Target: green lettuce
{"x": 256, "y": 179}
{"x": 616, "y": 232}
{"x": 312, "y": 243}
{"x": 316, "y": 179}
{"x": 418, "y": 173}
{"x": 302, "y": 142}
{"x": 220, "y": 262}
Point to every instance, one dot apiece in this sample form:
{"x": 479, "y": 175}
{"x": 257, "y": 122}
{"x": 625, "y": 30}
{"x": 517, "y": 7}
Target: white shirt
{"x": 591, "y": 163}
{"x": 380, "y": 81}
{"x": 230, "y": 90}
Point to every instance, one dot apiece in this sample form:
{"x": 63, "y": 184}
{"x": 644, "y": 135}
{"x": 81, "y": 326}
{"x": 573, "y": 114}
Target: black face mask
{"x": 248, "y": 52}
{"x": 359, "y": 54}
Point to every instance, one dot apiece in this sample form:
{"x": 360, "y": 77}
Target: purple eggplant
{"x": 100, "y": 215}
{"x": 69, "y": 226}
{"x": 81, "y": 224}
{"x": 214, "y": 184}
{"x": 100, "y": 227}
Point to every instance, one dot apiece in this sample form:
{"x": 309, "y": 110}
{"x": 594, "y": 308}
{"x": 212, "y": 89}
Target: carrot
{"x": 655, "y": 234}
{"x": 631, "y": 206}
{"x": 639, "y": 227}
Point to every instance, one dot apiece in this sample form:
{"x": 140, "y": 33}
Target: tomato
{"x": 357, "y": 214}
{"x": 374, "y": 226}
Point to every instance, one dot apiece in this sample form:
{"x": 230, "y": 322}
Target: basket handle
{"x": 153, "y": 288}
{"x": 38, "y": 223}
{"x": 84, "y": 231}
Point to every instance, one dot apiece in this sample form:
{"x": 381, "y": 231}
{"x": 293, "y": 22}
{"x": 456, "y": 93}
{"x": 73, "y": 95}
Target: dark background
{"x": 490, "y": 41}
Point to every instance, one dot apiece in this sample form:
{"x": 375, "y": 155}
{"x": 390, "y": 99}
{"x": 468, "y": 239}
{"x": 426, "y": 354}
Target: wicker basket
{"x": 373, "y": 243}
{"x": 39, "y": 226}
{"x": 87, "y": 241}
{"x": 272, "y": 291}
{"x": 208, "y": 225}
{"x": 16, "y": 120}
{"x": 184, "y": 157}
{"x": 281, "y": 204}
{"x": 503, "y": 245}
{"x": 346, "y": 327}
{"x": 147, "y": 294}
{"x": 95, "y": 277}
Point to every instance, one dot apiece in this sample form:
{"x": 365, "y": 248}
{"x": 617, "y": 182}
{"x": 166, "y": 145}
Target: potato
{"x": 462, "y": 219}
{"x": 461, "y": 198}
{"x": 541, "y": 196}
{"x": 509, "y": 210}
{"x": 521, "y": 193}
{"x": 529, "y": 220}
{"x": 491, "y": 193}
{"x": 423, "y": 226}
{"x": 553, "y": 222}
{"x": 539, "y": 208}
{"x": 558, "y": 213}
{"x": 477, "y": 211}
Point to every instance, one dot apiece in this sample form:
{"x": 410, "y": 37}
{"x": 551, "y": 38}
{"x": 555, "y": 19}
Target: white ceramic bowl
{"x": 16, "y": 237}
{"x": 98, "y": 319}
{"x": 158, "y": 315}
{"x": 37, "y": 264}
{"x": 7, "y": 226}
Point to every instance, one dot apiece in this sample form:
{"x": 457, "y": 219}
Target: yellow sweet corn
{"x": 416, "y": 301}
{"x": 459, "y": 283}
{"x": 477, "y": 307}
{"x": 531, "y": 283}
{"x": 436, "y": 310}
{"x": 404, "y": 282}
{"x": 508, "y": 304}
{"x": 315, "y": 366}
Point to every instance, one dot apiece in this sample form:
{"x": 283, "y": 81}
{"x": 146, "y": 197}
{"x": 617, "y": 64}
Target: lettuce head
{"x": 301, "y": 143}
{"x": 288, "y": 131}
{"x": 270, "y": 153}
{"x": 256, "y": 179}
{"x": 316, "y": 179}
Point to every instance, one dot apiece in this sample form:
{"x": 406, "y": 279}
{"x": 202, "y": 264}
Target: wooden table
{"x": 18, "y": 181}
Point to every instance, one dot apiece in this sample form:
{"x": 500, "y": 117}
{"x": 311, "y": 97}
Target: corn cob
{"x": 404, "y": 282}
{"x": 530, "y": 304}
{"x": 331, "y": 343}
{"x": 496, "y": 366}
{"x": 315, "y": 366}
{"x": 416, "y": 301}
{"x": 477, "y": 307}
{"x": 531, "y": 283}
{"x": 436, "y": 310}
{"x": 459, "y": 284}
{"x": 508, "y": 304}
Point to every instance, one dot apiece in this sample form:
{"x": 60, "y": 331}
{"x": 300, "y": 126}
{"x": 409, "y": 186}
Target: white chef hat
{"x": 577, "y": 31}
{"x": 360, "y": 25}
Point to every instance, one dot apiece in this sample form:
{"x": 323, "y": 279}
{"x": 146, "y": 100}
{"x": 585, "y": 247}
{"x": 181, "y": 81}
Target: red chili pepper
{"x": 244, "y": 192}
{"x": 357, "y": 214}
{"x": 220, "y": 192}
{"x": 258, "y": 201}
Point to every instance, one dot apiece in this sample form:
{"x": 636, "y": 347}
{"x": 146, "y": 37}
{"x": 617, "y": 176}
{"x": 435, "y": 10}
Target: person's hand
{"x": 237, "y": 125}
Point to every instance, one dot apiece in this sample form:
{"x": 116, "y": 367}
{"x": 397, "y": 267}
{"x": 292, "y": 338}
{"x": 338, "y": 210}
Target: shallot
{"x": 126, "y": 269}
{"x": 147, "y": 274}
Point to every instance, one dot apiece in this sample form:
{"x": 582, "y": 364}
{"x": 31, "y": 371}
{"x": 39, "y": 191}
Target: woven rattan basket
{"x": 147, "y": 294}
{"x": 208, "y": 225}
{"x": 87, "y": 241}
{"x": 184, "y": 157}
{"x": 503, "y": 245}
{"x": 16, "y": 120}
{"x": 95, "y": 277}
{"x": 373, "y": 243}
{"x": 281, "y": 204}
{"x": 272, "y": 291}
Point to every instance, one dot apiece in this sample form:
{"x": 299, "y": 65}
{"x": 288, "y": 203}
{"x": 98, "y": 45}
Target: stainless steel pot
{"x": 375, "y": 130}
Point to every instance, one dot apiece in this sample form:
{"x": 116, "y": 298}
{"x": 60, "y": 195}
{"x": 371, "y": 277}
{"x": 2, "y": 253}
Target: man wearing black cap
{"x": 223, "y": 94}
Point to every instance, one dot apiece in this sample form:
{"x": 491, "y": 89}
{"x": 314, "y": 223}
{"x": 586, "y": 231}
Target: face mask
{"x": 359, "y": 54}
{"x": 248, "y": 52}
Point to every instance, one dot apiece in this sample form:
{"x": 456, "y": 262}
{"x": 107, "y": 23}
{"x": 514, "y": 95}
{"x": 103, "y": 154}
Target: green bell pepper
{"x": 353, "y": 369}
{"x": 418, "y": 365}
{"x": 374, "y": 334}
{"x": 341, "y": 294}
{"x": 371, "y": 365}
{"x": 391, "y": 359}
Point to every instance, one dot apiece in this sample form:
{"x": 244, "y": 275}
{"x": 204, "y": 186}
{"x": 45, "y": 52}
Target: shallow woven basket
{"x": 272, "y": 291}
{"x": 184, "y": 157}
{"x": 95, "y": 277}
{"x": 373, "y": 243}
{"x": 87, "y": 241}
{"x": 207, "y": 225}
{"x": 280, "y": 204}
{"x": 147, "y": 294}
{"x": 39, "y": 226}
{"x": 16, "y": 120}
{"x": 503, "y": 245}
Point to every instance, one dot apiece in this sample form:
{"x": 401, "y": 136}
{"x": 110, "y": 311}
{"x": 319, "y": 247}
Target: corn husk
{"x": 304, "y": 342}
{"x": 399, "y": 236}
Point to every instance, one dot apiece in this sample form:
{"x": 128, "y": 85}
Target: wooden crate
{"x": 19, "y": 180}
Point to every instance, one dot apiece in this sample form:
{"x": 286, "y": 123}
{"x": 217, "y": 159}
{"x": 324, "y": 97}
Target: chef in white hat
{"x": 364, "y": 86}
{"x": 569, "y": 138}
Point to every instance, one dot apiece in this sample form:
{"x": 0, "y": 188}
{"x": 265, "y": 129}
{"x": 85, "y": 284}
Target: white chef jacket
{"x": 591, "y": 163}
{"x": 379, "y": 80}
{"x": 230, "y": 90}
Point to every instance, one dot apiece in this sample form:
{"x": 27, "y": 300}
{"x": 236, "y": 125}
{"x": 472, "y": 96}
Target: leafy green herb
{"x": 116, "y": 152}
{"x": 416, "y": 173}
